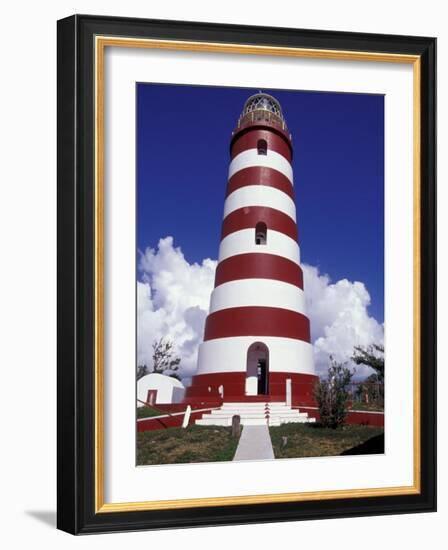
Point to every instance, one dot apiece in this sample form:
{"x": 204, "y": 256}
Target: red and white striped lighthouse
{"x": 257, "y": 335}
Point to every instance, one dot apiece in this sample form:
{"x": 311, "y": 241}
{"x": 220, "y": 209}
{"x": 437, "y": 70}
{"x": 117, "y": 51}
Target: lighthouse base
{"x": 232, "y": 387}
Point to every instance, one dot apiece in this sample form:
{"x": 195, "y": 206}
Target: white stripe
{"x": 250, "y": 158}
{"x": 230, "y": 354}
{"x": 243, "y": 242}
{"x": 260, "y": 195}
{"x": 175, "y": 413}
{"x": 258, "y": 292}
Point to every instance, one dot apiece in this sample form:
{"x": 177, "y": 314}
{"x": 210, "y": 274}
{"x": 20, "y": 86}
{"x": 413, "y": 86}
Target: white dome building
{"x": 158, "y": 389}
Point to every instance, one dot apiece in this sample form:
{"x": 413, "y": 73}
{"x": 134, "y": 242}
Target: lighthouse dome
{"x": 262, "y": 102}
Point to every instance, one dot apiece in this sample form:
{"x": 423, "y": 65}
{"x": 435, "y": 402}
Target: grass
{"x": 306, "y": 440}
{"x": 146, "y": 412}
{"x": 359, "y": 406}
{"x": 183, "y": 445}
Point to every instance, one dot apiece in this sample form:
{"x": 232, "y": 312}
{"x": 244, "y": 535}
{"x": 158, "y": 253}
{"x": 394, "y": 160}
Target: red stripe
{"x": 258, "y": 266}
{"x": 249, "y": 140}
{"x": 260, "y": 175}
{"x": 248, "y": 217}
{"x": 205, "y": 388}
{"x": 257, "y": 321}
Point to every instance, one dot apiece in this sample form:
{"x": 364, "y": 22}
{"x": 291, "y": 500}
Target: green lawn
{"x": 359, "y": 406}
{"x": 305, "y": 440}
{"x": 146, "y": 412}
{"x": 181, "y": 445}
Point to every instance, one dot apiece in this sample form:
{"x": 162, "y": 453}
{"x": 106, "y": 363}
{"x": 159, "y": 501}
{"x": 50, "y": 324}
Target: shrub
{"x": 332, "y": 395}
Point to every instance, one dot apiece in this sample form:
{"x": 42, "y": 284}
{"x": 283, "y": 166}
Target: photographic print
{"x": 260, "y": 274}
{"x": 246, "y": 221}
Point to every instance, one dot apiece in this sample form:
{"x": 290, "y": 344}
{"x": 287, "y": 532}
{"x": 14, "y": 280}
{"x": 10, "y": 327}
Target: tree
{"x": 372, "y": 356}
{"x": 142, "y": 370}
{"x": 332, "y": 395}
{"x": 164, "y": 359}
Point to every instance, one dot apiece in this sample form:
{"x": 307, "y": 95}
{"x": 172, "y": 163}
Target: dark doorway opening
{"x": 257, "y": 373}
{"x": 262, "y": 378}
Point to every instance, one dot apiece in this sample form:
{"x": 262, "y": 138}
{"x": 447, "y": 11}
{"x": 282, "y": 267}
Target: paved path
{"x": 255, "y": 444}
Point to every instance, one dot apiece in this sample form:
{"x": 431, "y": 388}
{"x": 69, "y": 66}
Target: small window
{"x": 262, "y": 147}
{"x": 261, "y": 233}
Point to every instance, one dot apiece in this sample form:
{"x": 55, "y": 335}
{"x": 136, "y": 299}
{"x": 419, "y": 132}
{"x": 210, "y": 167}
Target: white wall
{"x": 258, "y": 292}
{"x": 230, "y": 354}
{"x": 28, "y": 274}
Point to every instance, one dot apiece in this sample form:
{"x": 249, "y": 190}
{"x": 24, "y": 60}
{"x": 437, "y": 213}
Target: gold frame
{"x": 101, "y": 42}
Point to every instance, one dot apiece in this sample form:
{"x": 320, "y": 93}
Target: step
{"x": 256, "y": 406}
{"x": 285, "y": 411}
{"x": 249, "y": 405}
{"x": 283, "y": 417}
{"x": 240, "y": 414}
{"x": 261, "y": 409}
{"x": 254, "y": 414}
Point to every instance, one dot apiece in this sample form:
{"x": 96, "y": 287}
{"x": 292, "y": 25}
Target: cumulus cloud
{"x": 173, "y": 299}
{"x": 339, "y": 319}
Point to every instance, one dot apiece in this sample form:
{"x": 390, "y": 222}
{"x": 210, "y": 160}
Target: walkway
{"x": 255, "y": 444}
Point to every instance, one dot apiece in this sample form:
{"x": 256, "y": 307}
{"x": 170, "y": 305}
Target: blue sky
{"x": 183, "y": 135}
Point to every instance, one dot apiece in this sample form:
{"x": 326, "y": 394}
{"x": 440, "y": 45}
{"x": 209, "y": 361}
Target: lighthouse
{"x": 256, "y": 346}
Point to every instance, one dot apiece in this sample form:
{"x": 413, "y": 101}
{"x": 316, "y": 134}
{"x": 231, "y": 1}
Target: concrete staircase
{"x": 253, "y": 414}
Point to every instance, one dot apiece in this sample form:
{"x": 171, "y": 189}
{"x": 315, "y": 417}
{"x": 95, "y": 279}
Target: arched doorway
{"x": 257, "y": 369}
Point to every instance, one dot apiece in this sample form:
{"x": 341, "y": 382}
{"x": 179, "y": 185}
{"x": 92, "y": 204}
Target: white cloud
{"x": 339, "y": 319}
{"x": 173, "y": 300}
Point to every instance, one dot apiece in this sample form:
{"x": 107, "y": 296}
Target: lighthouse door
{"x": 257, "y": 371}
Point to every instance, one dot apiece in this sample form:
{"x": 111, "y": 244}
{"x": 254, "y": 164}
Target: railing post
{"x": 187, "y": 415}
{"x": 288, "y": 392}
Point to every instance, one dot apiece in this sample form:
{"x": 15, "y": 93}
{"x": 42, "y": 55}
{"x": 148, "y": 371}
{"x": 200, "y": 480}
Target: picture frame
{"x": 82, "y": 195}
